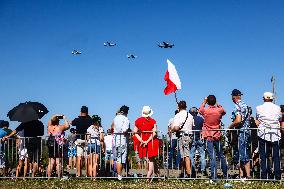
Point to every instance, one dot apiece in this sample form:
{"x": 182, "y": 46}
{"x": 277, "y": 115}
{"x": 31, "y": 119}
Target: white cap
{"x": 268, "y": 95}
{"x": 147, "y": 111}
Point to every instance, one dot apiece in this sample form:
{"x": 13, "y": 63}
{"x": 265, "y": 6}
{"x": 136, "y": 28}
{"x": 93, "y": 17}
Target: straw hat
{"x": 147, "y": 111}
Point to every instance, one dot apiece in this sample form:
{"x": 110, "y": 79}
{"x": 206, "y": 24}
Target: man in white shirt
{"x": 120, "y": 128}
{"x": 183, "y": 122}
{"x": 268, "y": 117}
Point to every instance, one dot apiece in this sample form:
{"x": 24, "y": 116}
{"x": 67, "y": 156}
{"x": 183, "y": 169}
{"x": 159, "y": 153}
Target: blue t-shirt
{"x": 2, "y": 133}
{"x": 198, "y": 124}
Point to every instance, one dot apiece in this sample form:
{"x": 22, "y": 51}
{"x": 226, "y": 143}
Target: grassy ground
{"x": 89, "y": 184}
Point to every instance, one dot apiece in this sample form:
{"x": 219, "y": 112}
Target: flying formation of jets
{"x": 75, "y": 52}
{"x": 164, "y": 45}
{"x": 109, "y": 44}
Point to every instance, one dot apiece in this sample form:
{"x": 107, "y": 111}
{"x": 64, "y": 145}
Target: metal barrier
{"x": 85, "y": 157}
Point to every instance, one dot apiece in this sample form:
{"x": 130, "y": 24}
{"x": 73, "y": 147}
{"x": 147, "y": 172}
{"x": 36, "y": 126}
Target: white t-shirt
{"x": 94, "y": 134}
{"x": 108, "y": 142}
{"x": 121, "y": 124}
{"x": 170, "y": 125}
{"x": 269, "y": 116}
{"x": 180, "y": 118}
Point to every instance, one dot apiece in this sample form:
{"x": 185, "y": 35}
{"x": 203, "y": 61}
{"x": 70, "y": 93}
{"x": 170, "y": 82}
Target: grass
{"x": 141, "y": 184}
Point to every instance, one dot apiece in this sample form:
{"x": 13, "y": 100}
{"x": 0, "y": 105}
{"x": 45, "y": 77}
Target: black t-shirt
{"x": 82, "y": 123}
{"x": 32, "y": 128}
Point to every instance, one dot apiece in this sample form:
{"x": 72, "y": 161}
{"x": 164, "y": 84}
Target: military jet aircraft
{"x": 75, "y": 52}
{"x": 131, "y": 56}
{"x": 109, "y": 44}
{"x": 165, "y": 45}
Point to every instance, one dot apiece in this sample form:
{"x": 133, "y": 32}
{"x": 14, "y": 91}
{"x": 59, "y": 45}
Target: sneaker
{"x": 119, "y": 177}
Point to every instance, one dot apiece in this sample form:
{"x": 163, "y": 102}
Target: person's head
{"x": 96, "y": 120}
{"x": 282, "y": 109}
{"x": 249, "y": 110}
{"x": 84, "y": 111}
{"x": 124, "y": 110}
{"x": 182, "y": 105}
{"x": 54, "y": 120}
{"x": 147, "y": 111}
{"x": 236, "y": 95}
{"x": 268, "y": 97}
{"x": 211, "y": 100}
{"x": 193, "y": 111}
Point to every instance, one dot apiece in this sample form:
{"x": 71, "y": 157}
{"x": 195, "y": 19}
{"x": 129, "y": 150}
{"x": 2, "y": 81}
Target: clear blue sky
{"x": 219, "y": 45}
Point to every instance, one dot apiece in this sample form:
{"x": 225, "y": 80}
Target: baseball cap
{"x": 84, "y": 109}
{"x": 236, "y": 92}
{"x": 268, "y": 95}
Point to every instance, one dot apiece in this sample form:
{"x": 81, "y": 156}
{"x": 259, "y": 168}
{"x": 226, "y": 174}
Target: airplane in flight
{"x": 75, "y": 52}
{"x": 131, "y": 56}
{"x": 165, "y": 45}
{"x": 109, "y": 44}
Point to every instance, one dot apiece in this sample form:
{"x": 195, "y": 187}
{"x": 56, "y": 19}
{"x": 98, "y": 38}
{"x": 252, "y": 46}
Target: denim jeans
{"x": 264, "y": 153}
{"x": 199, "y": 146}
{"x": 216, "y": 153}
{"x": 174, "y": 144}
{"x": 241, "y": 150}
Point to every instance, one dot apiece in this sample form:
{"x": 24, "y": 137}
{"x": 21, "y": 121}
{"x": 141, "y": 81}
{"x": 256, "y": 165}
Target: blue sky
{"x": 219, "y": 45}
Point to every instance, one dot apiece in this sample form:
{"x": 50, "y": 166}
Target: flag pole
{"x": 176, "y": 97}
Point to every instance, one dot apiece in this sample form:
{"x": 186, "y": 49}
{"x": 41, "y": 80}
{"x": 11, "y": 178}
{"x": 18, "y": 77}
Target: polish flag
{"x": 172, "y": 79}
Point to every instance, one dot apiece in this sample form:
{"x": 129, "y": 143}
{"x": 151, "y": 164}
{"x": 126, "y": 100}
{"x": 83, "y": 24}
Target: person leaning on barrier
{"x": 241, "y": 121}
{"x": 268, "y": 118}
{"x": 120, "y": 127}
{"x": 32, "y": 133}
{"x": 211, "y": 133}
{"x": 182, "y": 124}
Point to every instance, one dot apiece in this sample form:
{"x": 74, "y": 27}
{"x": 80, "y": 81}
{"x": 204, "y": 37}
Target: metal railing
{"x": 210, "y": 158}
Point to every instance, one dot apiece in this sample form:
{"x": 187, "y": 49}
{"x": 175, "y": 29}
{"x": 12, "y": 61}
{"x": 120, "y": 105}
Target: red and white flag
{"x": 172, "y": 79}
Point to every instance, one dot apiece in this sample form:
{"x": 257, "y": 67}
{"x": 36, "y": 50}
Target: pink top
{"x": 212, "y": 119}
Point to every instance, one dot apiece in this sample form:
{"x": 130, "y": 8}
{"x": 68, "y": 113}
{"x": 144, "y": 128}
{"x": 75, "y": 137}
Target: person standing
{"x": 82, "y": 123}
{"x": 56, "y": 141}
{"x": 198, "y": 143}
{"x": 72, "y": 149}
{"x": 120, "y": 127}
{"x": 32, "y": 133}
{"x": 183, "y": 123}
{"x": 212, "y": 120}
{"x": 108, "y": 140}
{"x": 268, "y": 118}
{"x": 146, "y": 133}
{"x": 241, "y": 120}
{"x": 174, "y": 145}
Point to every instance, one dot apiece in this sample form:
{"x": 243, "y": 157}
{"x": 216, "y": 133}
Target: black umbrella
{"x": 27, "y": 111}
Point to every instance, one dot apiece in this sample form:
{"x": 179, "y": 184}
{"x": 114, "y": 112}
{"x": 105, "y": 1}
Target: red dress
{"x": 152, "y": 149}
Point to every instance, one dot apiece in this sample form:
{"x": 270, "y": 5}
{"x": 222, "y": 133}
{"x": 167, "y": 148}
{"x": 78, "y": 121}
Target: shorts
{"x": 109, "y": 155}
{"x": 72, "y": 151}
{"x": 55, "y": 151}
{"x": 185, "y": 143}
{"x": 121, "y": 154}
{"x": 23, "y": 153}
{"x": 93, "y": 148}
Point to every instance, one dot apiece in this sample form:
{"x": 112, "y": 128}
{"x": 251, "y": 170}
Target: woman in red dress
{"x": 145, "y": 132}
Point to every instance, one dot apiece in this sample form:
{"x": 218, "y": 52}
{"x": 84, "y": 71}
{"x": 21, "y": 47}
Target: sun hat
{"x": 147, "y": 111}
{"x": 268, "y": 95}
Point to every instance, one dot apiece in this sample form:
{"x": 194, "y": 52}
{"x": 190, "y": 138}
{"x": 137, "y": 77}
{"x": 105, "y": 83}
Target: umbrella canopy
{"x": 27, "y": 111}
